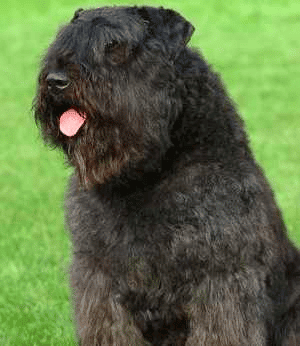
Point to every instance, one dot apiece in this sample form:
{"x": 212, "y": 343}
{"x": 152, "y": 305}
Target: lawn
{"x": 255, "y": 46}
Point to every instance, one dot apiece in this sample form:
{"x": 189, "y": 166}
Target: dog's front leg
{"x": 219, "y": 317}
{"x": 100, "y": 319}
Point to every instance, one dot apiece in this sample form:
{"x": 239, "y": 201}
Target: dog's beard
{"x": 99, "y": 156}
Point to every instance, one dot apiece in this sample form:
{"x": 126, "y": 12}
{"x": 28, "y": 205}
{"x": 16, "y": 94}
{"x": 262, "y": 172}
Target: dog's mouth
{"x": 71, "y": 121}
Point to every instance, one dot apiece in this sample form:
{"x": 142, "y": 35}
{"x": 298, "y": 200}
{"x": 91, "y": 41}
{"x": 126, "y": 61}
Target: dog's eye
{"x": 117, "y": 52}
{"x": 111, "y": 45}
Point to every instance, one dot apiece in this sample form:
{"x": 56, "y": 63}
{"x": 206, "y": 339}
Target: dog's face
{"x": 107, "y": 93}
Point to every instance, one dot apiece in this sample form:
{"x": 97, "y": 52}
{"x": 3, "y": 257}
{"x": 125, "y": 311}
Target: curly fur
{"x": 177, "y": 237}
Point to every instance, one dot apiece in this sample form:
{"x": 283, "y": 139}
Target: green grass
{"x": 254, "y": 45}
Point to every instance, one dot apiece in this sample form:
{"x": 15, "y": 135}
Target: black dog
{"x": 177, "y": 237}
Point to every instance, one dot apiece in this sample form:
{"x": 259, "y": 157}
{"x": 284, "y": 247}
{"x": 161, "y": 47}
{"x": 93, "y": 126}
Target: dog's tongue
{"x": 70, "y": 122}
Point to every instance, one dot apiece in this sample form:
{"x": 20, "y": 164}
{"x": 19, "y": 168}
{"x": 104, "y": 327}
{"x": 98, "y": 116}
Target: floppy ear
{"x": 167, "y": 26}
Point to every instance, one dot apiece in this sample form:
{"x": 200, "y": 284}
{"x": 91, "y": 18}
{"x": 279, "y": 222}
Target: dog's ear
{"x": 77, "y": 14}
{"x": 167, "y": 25}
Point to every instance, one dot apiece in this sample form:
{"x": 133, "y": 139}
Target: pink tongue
{"x": 71, "y": 121}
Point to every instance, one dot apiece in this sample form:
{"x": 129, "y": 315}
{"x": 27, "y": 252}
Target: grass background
{"x": 254, "y": 44}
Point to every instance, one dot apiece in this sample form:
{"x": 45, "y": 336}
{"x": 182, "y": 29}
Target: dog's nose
{"x": 57, "y": 80}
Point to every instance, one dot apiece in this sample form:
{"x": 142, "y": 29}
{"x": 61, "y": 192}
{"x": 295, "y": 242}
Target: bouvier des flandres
{"x": 177, "y": 237}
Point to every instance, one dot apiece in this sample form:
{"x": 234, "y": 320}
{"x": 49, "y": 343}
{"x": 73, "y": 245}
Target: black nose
{"x": 57, "y": 80}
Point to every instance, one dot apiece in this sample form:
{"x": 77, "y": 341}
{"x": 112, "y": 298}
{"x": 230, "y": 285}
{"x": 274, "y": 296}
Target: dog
{"x": 177, "y": 238}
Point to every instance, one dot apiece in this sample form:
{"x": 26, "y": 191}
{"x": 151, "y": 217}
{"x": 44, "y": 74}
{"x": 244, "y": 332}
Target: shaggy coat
{"x": 177, "y": 237}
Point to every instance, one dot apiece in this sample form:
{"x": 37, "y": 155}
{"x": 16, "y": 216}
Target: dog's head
{"x": 108, "y": 89}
